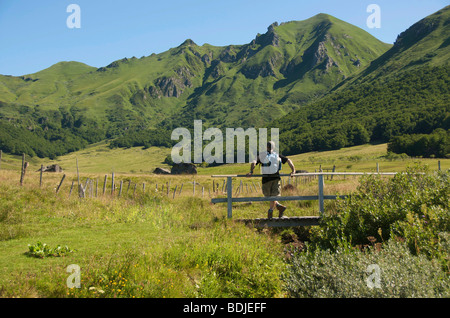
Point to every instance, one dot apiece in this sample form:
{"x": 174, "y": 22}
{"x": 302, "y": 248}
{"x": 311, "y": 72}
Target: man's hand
{"x": 291, "y": 165}
{"x": 249, "y": 174}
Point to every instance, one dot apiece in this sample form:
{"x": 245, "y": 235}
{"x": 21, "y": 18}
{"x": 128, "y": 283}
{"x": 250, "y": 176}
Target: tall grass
{"x": 152, "y": 244}
{"x": 146, "y": 245}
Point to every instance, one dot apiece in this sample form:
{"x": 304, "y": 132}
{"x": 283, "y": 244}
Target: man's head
{"x": 270, "y": 146}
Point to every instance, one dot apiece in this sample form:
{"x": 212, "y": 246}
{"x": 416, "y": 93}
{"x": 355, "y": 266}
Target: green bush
{"x": 346, "y": 272}
{"x": 383, "y": 208}
{"x": 407, "y": 215}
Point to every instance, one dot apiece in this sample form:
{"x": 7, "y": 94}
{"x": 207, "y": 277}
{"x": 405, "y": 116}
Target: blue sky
{"x": 34, "y": 34}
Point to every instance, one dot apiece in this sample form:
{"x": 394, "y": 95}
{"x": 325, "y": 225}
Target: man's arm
{"x": 291, "y": 165}
{"x": 252, "y": 167}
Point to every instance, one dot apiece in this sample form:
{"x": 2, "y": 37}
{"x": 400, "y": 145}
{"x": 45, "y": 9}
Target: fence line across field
{"x": 90, "y": 187}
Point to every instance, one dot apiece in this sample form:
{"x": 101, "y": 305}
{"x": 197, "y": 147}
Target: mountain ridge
{"x": 404, "y": 91}
{"x": 279, "y": 73}
{"x": 176, "y": 73}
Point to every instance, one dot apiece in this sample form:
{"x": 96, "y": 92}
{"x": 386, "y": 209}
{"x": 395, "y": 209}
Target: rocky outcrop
{"x": 215, "y": 70}
{"x": 51, "y": 168}
{"x": 161, "y": 171}
{"x": 172, "y": 86}
{"x": 228, "y": 55}
{"x": 267, "y": 68}
{"x": 319, "y": 56}
{"x": 184, "y": 168}
{"x": 270, "y": 37}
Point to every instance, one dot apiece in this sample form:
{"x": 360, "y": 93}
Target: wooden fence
{"x": 297, "y": 221}
{"x": 90, "y": 187}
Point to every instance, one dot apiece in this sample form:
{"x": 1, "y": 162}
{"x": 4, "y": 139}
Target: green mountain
{"x": 404, "y": 91}
{"x": 235, "y": 85}
{"x": 318, "y": 80}
{"x": 280, "y": 70}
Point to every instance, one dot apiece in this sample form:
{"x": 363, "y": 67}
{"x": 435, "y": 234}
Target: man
{"x": 271, "y": 182}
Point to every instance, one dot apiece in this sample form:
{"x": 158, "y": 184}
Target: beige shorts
{"x": 271, "y": 188}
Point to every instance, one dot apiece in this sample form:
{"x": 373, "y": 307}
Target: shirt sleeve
{"x": 284, "y": 159}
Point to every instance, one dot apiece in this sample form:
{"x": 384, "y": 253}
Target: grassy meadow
{"x": 150, "y": 242}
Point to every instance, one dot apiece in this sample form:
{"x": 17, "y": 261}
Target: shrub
{"x": 346, "y": 272}
{"x": 409, "y": 214}
{"x": 383, "y": 208}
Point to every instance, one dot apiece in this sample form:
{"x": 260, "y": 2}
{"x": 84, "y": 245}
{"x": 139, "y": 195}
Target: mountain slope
{"x": 404, "y": 91}
{"x": 287, "y": 66}
{"x": 424, "y": 43}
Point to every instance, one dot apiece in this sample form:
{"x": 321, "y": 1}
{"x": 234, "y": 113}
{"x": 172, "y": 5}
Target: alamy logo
{"x": 374, "y": 279}
{"x": 73, "y": 20}
{"x": 374, "y": 20}
{"x": 213, "y": 151}
{"x": 74, "y": 280}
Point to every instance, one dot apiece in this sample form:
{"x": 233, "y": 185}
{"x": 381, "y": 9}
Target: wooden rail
{"x": 293, "y": 221}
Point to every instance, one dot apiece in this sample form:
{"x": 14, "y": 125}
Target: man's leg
{"x": 273, "y": 204}
{"x": 266, "y": 188}
{"x": 270, "y": 212}
{"x": 281, "y": 208}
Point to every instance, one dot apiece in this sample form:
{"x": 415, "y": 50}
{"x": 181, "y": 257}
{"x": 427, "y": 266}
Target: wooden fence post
{"x": 112, "y": 184}
{"x": 174, "y": 191}
{"x": 321, "y": 203}
{"x": 334, "y": 170}
{"x": 40, "y": 176}
{"x": 229, "y": 198}
{"x": 120, "y": 189}
{"x": 81, "y": 191}
{"x": 86, "y": 184}
{"x": 104, "y": 184}
{"x": 22, "y": 172}
{"x": 71, "y": 188}
{"x": 59, "y": 186}
{"x": 238, "y": 191}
